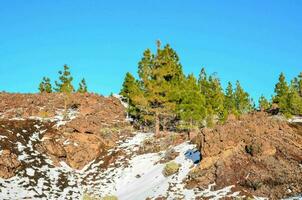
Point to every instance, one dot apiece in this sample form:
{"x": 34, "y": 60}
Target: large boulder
{"x": 82, "y": 149}
{"x": 54, "y": 148}
{"x": 8, "y": 164}
{"x": 76, "y": 149}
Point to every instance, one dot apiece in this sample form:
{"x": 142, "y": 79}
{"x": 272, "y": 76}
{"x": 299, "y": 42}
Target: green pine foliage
{"x": 288, "y": 97}
{"x": 229, "y": 102}
{"x": 215, "y": 97}
{"x": 65, "y": 81}
{"x": 192, "y": 107}
{"x": 160, "y": 77}
{"x": 82, "y": 86}
{"x": 211, "y": 89}
{"x": 281, "y": 90}
{"x": 64, "y": 84}
{"x": 243, "y": 102}
{"x": 45, "y": 85}
{"x": 155, "y": 95}
{"x": 264, "y": 104}
{"x": 134, "y": 96}
{"x": 164, "y": 95}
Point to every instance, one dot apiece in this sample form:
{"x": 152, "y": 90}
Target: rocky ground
{"x": 259, "y": 154}
{"x": 83, "y": 125}
{"x": 54, "y": 146}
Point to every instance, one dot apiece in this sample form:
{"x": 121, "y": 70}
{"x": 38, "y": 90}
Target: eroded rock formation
{"x": 257, "y": 153}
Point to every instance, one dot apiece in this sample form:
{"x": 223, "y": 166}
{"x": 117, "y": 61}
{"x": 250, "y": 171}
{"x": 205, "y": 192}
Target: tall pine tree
{"x": 215, "y": 97}
{"x": 210, "y": 87}
{"x": 242, "y": 100}
{"x": 192, "y": 107}
{"x": 160, "y": 76}
{"x": 134, "y": 97}
{"x": 281, "y": 90}
{"x": 229, "y": 102}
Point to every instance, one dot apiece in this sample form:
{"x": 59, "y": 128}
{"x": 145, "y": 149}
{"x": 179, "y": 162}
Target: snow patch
{"x": 30, "y": 172}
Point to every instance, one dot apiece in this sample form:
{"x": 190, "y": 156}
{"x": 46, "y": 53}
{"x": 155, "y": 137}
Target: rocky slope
{"x": 50, "y": 151}
{"x": 78, "y": 127}
{"x": 258, "y": 154}
{"x": 54, "y": 146}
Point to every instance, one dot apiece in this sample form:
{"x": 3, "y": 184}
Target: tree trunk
{"x": 164, "y": 124}
{"x": 156, "y": 124}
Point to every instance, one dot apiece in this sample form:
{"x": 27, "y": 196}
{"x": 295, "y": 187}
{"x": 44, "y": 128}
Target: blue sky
{"x": 252, "y": 41}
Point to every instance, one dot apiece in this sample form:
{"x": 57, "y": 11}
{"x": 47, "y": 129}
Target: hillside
{"x": 55, "y": 146}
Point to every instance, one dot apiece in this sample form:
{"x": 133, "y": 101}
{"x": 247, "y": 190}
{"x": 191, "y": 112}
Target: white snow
{"x": 120, "y": 97}
{"x": 140, "y": 178}
{"x": 2, "y": 137}
{"x": 63, "y": 117}
{"x": 30, "y": 172}
{"x": 296, "y": 119}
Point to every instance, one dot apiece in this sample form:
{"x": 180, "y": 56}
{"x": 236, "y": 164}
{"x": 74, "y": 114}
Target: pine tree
{"x": 134, "y": 96}
{"x": 210, "y": 87}
{"x": 264, "y": 104}
{"x": 160, "y": 76}
{"x": 293, "y": 103}
{"x": 128, "y": 86}
{"x": 45, "y": 85}
{"x": 288, "y": 97}
{"x": 215, "y": 97}
{"x": 65, "y": 81}
{"x": 300, "y": 84}
{"x": 203, "y": 82}
{"x": 296, "y": 84}
{"x": 192, "y": 108}
{"x": 242, "y": 100}
{"x": 229, "y": 103}
{"x": 281, "y": 90}
{"x": 82, "y": 86}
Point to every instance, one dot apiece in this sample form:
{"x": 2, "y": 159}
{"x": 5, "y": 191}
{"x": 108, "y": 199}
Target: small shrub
{"x": 170, "y": 154}
{"x": 173, "y": 137}
{"x": 249, "y": 149}
{"x": 87, "y": 196}
{"x": 253, "y": 149}
{"x": 44, "y": 114}
{"x": 110, "y": 197}
{"x": 107, "y": 132}
{"x": 171, "y": 168}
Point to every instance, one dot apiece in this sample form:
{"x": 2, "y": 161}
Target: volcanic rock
{"x": 258, "y": 153}
{"x": 8, "y": 164}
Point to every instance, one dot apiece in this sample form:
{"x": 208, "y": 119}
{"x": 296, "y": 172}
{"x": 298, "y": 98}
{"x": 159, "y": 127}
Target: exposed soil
{"x": 259, "y": 154}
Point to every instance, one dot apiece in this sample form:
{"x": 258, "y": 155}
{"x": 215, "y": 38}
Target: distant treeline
{"x": 287, "y": 98}
{"x": 164, "y": 97}
{"x": 63, "y": 85}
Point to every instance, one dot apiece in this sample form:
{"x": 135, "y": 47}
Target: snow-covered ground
{"x": 129, "y": 177}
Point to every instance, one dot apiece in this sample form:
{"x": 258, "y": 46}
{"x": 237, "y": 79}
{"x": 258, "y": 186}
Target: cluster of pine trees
{"x": 63, "y": 85}
{"x": 287, "y": 98}
{"x": 163, "y": 96}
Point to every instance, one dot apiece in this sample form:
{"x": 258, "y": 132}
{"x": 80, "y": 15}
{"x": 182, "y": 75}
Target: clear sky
{"x": 252, "y": 41}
